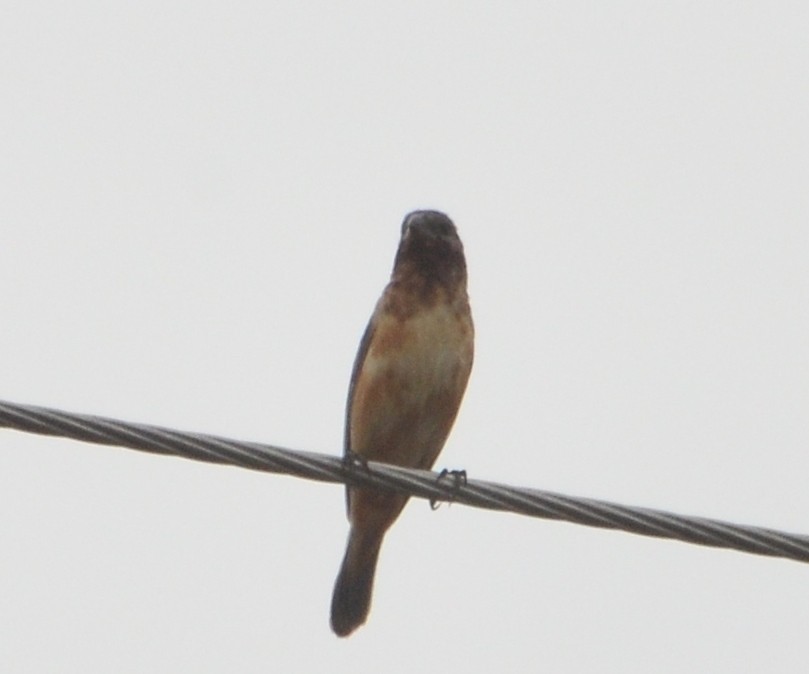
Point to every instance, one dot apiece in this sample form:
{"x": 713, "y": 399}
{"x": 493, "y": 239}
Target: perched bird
{"x": 406, "y": 387}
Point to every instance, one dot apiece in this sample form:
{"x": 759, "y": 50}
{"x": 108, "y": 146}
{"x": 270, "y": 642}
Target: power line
{"x": 421, "y": 483}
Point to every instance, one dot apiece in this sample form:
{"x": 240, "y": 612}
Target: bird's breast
{"x": 411, "y": 384}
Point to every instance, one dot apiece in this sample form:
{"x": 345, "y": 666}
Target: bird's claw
{"x": 352, "y": 461}
{"x": 458, "y": 480}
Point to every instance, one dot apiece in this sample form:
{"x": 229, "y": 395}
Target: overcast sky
{"x": 199, "y": 205}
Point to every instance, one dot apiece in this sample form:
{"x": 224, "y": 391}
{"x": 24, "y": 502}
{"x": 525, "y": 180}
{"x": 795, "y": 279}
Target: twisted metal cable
{"x": 421, "y": 483}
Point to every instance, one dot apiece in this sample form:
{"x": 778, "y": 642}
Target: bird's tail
{"x": 351, "y": 600}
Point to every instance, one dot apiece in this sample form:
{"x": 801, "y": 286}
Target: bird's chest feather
{"x": 411, "y": 384}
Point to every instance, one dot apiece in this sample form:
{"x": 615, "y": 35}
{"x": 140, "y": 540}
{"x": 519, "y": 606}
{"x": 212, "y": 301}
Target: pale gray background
{"x": 200, "y": 203}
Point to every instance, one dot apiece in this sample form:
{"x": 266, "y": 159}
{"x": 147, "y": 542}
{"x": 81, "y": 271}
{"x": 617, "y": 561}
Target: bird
{"x": 407, "y": 383}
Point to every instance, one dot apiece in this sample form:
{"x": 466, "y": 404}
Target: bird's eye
{"x": 442, "y": 227}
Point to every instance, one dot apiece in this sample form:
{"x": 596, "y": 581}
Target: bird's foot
{"x": 458, "y": 480}
{"x": 352, "y": 461}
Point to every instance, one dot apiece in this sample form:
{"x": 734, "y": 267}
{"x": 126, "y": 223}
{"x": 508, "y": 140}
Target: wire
{"x": 421, "y": 483}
